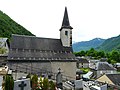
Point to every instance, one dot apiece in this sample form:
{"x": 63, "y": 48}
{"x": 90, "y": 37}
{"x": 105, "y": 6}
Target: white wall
{"x": 65, "y": 38}
{"x": 101, "y": 72}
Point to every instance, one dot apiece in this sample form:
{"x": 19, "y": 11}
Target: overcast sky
{"x": 89, "y": 18}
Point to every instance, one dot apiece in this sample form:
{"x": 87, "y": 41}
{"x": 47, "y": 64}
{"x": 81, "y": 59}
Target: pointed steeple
{"x": 65, "y": 23}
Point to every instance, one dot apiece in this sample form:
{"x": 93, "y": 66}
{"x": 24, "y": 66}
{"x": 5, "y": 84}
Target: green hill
{"x": 9, "y": 27}
{"x": 110, "y": 44}
{"x": 86, "y": 45}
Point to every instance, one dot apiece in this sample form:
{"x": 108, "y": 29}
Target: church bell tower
{"x": 66, "y": 31}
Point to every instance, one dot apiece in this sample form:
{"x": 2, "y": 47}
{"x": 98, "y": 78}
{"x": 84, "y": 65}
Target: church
{"x": 36, "y": 55}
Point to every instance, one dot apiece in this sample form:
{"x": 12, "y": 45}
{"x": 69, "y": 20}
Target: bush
{"x": 8, "y": 83}
{"x": 34, "y": 82}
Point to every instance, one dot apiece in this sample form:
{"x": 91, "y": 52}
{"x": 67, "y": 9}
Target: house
{"x": 82, "y": 63}
{"x": 117, "y": 66}
{"x": 99, "y": 87}
{"x": 44, "y": 56}
{"x": 103, "y": 68}
{"x": 111, "y": 79}
{"x": 4, "y": 43}
{"x": 4, "y": 49}
{"x": 92, "y": 63}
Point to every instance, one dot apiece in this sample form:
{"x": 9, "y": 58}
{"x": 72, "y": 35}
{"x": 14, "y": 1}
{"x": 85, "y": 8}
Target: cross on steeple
{"x": 22, "y": 85}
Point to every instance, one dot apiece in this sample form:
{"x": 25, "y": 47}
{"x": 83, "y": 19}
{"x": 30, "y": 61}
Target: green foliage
{"x": 34, "y": 81}
{"x": 3, "y": 50}
{"x": 8, "y": 82}
{"x": 9, "y": 27}
{"x": 85, "y": 70}
{"x": 92, "y": 53}
{"x": 45, "y": 84}
{"x": 113, "y": 56}
{"x": 42, "y": 84}
{"x": 52, "y": 85}
{"x": 81, "y": 53}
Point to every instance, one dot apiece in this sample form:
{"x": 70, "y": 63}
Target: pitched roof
{"x": 31, "y": 47}
{"x": 82, "y": 60}
{"x": 66, "y": 23}
{"x": 104, "y": 66}
{"x": 115, "y": 78}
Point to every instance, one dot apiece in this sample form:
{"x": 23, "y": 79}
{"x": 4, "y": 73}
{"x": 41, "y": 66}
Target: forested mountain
{"x": 110, "y": 44}
{"x": 9, "y": 27}
{"x": 86, "y": 45}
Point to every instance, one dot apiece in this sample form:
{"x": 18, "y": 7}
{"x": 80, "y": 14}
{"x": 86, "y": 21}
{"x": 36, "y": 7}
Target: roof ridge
{"x": 34, "y": 37}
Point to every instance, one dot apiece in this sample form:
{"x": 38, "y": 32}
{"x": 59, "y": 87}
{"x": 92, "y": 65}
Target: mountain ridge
{"x": 8, "y": 27}
{"x": 86, "y": 45}
{"x": 106, "y": 45}
{"x": 110, "y": 44}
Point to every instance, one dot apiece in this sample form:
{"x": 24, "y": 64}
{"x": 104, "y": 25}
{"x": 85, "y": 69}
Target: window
{"x": 66, "y": 32}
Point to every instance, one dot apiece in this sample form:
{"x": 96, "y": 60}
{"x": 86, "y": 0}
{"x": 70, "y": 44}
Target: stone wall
{"x": 31, "y": 67}
{"x": 68, "y": 69}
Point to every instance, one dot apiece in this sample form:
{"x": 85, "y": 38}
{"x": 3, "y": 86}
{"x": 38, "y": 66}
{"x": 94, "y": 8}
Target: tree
{"x": 82, "y": 53}
{"x": 77, "y": 53}
{"x": 92, "y": 52}
{"x": 45, "y": 84}
{"x": 34, "y": 81}
{"x": 8, "y": 83}
{"x": 100, "y": 54}
{"x": 114, "y": 56}
{"x": 41, "y": 82}
{"x": 52, "y": 85}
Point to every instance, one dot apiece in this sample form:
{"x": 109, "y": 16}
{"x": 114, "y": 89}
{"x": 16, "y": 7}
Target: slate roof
{"x": 115, "y": 78}
{"x": 36, "y": 48}
{"x": 82, "y": 60}
{"x": 104, "y": 66}
{"x": 66, "y": 23}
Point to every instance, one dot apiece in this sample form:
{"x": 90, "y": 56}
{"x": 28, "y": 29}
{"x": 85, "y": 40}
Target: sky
{"x": 89, "y": 18}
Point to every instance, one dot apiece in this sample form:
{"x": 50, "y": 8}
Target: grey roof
{"x": 104, "y": 66}
{"x": 66, "y": 23}
{"x": 36, "y": 48}
{"x": 115, "y": 78}
{"x": 82, "y": 60}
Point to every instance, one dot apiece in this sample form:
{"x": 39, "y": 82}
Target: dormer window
{"x": 66, "y": 33}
